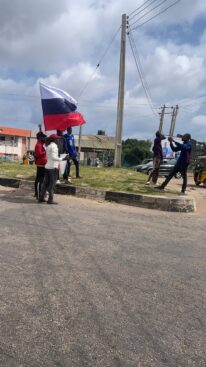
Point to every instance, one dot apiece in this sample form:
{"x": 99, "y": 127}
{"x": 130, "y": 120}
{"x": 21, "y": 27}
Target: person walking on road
{"x": 157, "y": 157}
{"x": 40, "y": 161}
{"x": 182, "y": 162}
{"x": 72, "y": 153}
{"x": 51, "y": 169}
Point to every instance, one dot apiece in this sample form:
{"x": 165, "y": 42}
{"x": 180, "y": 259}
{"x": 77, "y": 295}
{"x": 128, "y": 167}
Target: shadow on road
{"x": 17, "y": 197}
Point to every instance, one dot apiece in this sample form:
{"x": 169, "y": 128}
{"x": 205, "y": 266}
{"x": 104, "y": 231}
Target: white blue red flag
{"x": 59, "y": 109}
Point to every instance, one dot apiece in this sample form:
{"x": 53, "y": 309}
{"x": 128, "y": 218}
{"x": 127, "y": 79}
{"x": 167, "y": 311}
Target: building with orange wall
{"x": 15, "y": 142}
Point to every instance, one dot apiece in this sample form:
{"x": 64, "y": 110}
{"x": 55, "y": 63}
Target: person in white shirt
{"x": 51, "y": 169}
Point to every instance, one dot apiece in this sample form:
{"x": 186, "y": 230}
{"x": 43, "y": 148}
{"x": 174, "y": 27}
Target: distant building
{"x": 95, "y": 146}
{"x": 15, "y": 142}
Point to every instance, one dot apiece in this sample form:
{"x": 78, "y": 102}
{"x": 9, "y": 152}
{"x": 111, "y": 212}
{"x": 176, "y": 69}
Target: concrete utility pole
{"x": 173, "y": 120}
{"x": 162, "y": 118}
{"x": 120, "y": 105}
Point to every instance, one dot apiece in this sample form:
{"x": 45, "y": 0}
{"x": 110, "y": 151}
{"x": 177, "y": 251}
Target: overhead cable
{"x": 140, "y": 11}
{"x": 147, "y": 13}
{"x": 161, "y": 12}
{"x": 140, "y": 72}
{"x": 99, "y": 63}
{"x": 134, "y": 11}
{"x": 83, "y": 103}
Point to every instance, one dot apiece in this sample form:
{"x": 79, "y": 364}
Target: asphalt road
{"x": 96, "y": 284}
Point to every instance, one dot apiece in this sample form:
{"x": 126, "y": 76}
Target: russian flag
{"x": 59, "y": 109}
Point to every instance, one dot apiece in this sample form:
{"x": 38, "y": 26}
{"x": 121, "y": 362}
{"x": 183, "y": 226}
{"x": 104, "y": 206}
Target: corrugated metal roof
{"x": 96, "y": 142}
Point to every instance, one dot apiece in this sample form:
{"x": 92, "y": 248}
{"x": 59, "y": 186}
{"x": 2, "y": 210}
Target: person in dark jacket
{"x": 40, "y": 161}
{"x": 62, "y": 148}
{"x": 182, "y": 162}
{"x": 157, "y": 157}
{"x": 72, "y": 153}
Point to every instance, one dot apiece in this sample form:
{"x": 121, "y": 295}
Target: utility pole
{"x": 120, "y": 104}
{"x": 162, "y": 118}
{"x": 173, "y": 120}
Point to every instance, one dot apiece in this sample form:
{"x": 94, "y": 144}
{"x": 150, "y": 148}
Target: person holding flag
{"x": 59, "y": 113}
{"x": 51, "y": 169}
{"x": 71, "y": 149}
{"x": 62, "y": 149}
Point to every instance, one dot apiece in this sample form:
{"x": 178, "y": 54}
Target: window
{"x": 11, "y": 141}
{"x": 2, "y": 140}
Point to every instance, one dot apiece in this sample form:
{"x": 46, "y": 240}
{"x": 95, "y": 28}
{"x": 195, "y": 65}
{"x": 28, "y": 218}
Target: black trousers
{"x": 68, "y": 166}
{"x": 49, "y": 183}
{"x": 40, "y": 172}
{"x": 176, "y": 169}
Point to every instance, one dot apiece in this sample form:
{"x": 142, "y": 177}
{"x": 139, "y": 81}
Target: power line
{"x": 139, "y": 7}
{"x": 83, "y": 103}
{"x": 141, "y": 68}
{"x": 99, "y": 63}
{"x": 93, "y": 73}
{"x": 140, "y": 11}
{"x": 161, "y": 12}
{"x": 140, "y": 72}
{"x": 147, "y": 13}
{"x": 35, "y": 98}
{"x": 193, "y": 101}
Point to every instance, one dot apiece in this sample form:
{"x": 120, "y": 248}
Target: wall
{"x": 11, "y": 146}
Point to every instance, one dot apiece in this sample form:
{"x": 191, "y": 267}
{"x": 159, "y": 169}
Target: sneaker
{"x": 79, "y": 177}
{"x": 147, "y": 183}
{"x": 58, "y": 182}
{"x": 183, "y": 193}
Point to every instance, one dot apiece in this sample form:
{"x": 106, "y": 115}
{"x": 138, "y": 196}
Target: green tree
{"x": 135, "y": 150}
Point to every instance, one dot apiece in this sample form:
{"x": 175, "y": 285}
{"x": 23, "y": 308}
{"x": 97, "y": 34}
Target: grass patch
{"x": 114, "y": 179}
{"x": 17, "y": 170}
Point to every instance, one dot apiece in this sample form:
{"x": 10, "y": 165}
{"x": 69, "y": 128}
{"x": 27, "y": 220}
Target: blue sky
{"x": 180, "y": 33}
{"x": 61, "y": 43}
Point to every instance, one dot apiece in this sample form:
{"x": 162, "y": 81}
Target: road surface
{"x": 90, "y": 284}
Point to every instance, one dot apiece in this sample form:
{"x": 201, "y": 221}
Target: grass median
{"x": 110, "y": 179}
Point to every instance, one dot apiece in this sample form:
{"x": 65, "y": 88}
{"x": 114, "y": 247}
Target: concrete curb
{"x": 9, "y": 182}
{"x": 172, "y": 203}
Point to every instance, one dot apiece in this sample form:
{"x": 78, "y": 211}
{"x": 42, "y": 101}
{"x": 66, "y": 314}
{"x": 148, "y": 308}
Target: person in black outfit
{"x": 62, "y": 148}
{"x": 157, "y": 158}
{"x": 182, "y": 162}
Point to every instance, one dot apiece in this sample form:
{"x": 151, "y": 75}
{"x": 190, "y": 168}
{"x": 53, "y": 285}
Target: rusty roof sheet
{"x": 96, "y": 141}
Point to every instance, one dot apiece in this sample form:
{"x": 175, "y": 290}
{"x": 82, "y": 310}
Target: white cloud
{"x": 199, "y": 120}
{"x": 62, "y": 42}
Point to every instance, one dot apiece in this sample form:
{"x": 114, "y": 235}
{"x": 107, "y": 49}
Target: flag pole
{"x": 80, "y": 140}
